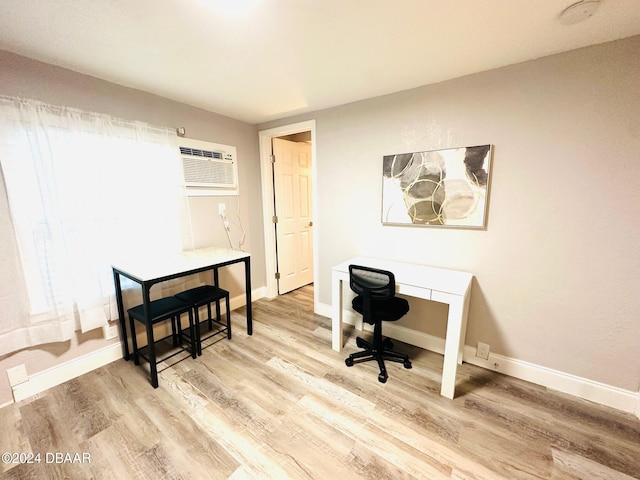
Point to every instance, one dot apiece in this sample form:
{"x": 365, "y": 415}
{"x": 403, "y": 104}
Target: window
{"x": 84, "y": 189}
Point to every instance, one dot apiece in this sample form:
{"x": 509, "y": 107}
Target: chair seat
{"x": 168, "y": 308}
{"x": 160, "y": 309}
{"x": 389, "y": 310}
{"x": 202, "y": 295}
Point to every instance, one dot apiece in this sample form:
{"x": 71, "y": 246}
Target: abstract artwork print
{"x": 446, "y": 187}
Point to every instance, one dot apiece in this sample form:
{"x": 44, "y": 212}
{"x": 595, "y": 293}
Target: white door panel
{"x": 294, "y": 229}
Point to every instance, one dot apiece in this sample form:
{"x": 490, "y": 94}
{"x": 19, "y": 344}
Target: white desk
{"x": 436, "y": 284}
{"x": 147, "y": 271}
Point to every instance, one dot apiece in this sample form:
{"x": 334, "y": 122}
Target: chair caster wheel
{"x": 407, "y": 364}
{"x": 349, "y": 362}
{"x": 388, "y": 344}
{"x": 359, "y": 342}
{"x": 382, "y": 378}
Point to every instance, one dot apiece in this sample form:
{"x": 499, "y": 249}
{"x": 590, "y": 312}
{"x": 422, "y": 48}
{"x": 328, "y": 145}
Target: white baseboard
{"x": 584, "y": 388}
{"x": 600, "y": 393}
{"x": 240, "y": 300}
{"x": 41, "y": 381}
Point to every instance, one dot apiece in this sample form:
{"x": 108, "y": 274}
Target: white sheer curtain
{"x": 82, "y": 189}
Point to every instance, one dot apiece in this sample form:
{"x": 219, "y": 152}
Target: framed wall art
{"x": 445, "y": 188}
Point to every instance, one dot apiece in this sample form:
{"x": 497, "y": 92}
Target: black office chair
{"x": 376, "y": 301}
{"x": 206, "y": 295}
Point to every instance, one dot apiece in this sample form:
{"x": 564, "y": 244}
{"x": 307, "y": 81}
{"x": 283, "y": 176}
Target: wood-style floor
{"x": 282, "y": 405}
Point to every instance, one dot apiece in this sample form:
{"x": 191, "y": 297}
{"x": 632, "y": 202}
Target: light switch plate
{"x": 110, "y": 331}
{"x": 17, "y": 375}
{"x": 482, "y": 351}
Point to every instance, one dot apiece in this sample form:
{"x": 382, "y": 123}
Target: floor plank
{"x": 282, "y": 405}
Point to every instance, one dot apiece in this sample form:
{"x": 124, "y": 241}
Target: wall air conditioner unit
{"x": 210, "y": 169}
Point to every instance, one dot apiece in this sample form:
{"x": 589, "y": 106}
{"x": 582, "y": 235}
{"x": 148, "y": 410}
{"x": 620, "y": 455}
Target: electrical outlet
{"x": 17, "y": 375}
{"x": 110, "y": 331}
{"x": 482, "y": 350}
{"x": 222, "y": 209}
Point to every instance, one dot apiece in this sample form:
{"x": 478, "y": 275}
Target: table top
{"x": 422, "y": 276}
{"x": 156, "y": 267}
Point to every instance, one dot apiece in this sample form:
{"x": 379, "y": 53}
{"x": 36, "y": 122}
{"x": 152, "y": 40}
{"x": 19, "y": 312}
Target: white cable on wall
{"x": 227, "y": 227}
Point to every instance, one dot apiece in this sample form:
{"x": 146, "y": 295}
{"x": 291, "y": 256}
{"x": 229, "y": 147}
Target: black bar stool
{"x": 206, "y": 295}
{"x": 169, "y": 308}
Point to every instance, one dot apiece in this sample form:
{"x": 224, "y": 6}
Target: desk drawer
{"x": 413, "y": 291}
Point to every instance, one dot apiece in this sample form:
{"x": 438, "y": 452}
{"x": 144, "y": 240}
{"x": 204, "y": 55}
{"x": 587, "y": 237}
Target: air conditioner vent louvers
{"x": 200, "y": 171}
{"x": 200, "y": 153}
{"x": 209, "y": 171}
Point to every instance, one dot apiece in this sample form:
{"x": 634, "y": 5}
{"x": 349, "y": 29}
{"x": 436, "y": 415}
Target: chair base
{"x": 379, "y": 354}
{"x": 168, "y": 308}
{"x": 208, "y": 328}
{"x": 199, "y": 297}
{"x": 169, "y": 348}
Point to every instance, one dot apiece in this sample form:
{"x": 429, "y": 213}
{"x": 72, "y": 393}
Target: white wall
{"x": 558, "y": 268}
{"x": 20, "y": 76}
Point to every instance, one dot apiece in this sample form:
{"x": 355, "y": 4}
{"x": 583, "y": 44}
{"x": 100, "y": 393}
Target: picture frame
{"x": 437, "y": 188}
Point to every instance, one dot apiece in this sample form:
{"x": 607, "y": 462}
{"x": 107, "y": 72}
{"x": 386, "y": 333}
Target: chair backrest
{"x": 367, "y": 281}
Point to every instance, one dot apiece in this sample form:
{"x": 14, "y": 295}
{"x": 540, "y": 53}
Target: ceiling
{"x": 259, "y": 60}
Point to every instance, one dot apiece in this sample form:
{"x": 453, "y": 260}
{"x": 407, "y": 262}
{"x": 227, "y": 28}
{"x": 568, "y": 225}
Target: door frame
{"x": 264, "y": 137}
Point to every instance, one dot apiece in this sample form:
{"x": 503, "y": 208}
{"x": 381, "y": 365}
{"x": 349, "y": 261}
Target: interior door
{"x": 294, "y": 228}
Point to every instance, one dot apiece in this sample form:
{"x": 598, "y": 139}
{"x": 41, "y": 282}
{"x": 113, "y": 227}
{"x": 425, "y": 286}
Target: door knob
{"x": 311, "y": 224}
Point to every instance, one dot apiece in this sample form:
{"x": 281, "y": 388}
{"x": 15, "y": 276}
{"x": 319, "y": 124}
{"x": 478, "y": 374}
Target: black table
{"x": 147, "y": 271}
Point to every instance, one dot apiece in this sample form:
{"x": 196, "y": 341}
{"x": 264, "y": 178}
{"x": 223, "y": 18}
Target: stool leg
{"x": 226, "y": 300}
{"x": 152, "y": 356}
{"x": 136, "y": 359}
{"x": 196, "y": 331}
{"x": 195, "y": 336}
{"x": 210, "y": 320}
{"x": 176, "y": 330}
